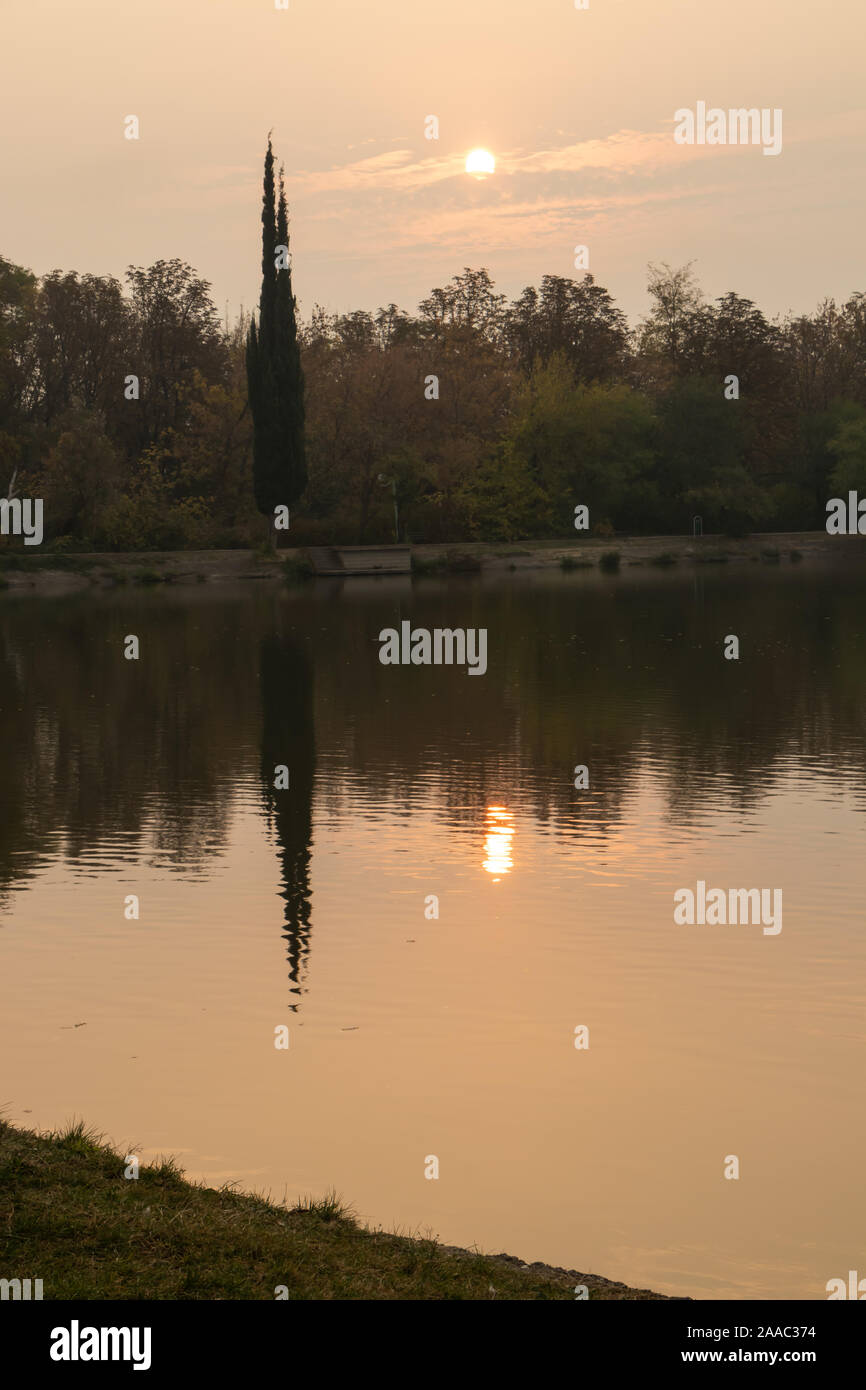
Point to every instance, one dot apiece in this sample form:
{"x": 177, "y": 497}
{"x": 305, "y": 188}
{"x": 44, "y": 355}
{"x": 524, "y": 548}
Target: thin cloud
{"x": 624, "y": 152}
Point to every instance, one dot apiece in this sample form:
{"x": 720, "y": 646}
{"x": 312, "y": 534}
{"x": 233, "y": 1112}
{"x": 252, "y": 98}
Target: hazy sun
{"x": 480, "y": 163}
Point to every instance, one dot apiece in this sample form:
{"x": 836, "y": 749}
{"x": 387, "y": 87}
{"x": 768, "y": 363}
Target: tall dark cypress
{"x": 289, "y": 372}
{"x": 275, "y": 379}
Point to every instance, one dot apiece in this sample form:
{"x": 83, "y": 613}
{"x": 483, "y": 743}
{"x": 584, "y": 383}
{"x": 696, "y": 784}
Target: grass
{"x": 427, "y": 564}
{"x": 666, "y": 558}
{"x": 297, "y": 567}
{"x": 568, "y": 562}
{"x": 47, "y": 560}
{"x": 114, "y": 575}
{"x": 609, "y": 561}
{"x": 460, "y": 562}
{"x": 69, "y": 1217}
{"x": 451, "y": 562}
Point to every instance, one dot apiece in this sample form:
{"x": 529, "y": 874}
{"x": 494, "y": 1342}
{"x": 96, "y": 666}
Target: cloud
{"x": 518, "y": 224}
{"x": 627, "y": 151}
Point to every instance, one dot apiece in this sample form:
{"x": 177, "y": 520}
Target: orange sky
{"x": 577, "y": 106}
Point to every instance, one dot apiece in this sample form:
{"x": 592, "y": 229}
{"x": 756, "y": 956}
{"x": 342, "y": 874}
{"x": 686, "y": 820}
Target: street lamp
{"x": 384, "y": 480}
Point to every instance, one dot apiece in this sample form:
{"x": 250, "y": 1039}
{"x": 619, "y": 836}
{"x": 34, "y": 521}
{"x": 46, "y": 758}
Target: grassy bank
{"x": 47, "y": 572}
{"x": 68, "y": 1216}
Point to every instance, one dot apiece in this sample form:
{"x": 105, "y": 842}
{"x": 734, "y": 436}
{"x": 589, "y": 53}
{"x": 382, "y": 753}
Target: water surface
{"x": 413, "y": 1036}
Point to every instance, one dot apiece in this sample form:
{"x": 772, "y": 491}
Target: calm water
{"x": 454, "y": 1037}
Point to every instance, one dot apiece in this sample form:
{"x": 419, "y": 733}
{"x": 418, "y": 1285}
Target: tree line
{"x": 127, "y": 408}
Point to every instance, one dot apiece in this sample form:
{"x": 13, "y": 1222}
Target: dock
{"x": 360, "y": 559}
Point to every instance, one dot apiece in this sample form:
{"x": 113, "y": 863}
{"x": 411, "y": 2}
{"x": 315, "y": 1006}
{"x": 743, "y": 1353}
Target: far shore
{"x": 33, "y": 571}
{"x": 72, "y": 1213}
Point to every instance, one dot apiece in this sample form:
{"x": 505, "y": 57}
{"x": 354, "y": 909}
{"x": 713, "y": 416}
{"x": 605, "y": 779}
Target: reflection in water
{"x": 157, "y": 778}
{"x": 286, "y": 682}
{"x": 497, "y": 842}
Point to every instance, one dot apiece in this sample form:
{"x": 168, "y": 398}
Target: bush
{"x": 427, "y": 564}
{"x": 458, "y": 562}
{"x": 70, "y": 545}
{"x": 297, "y": 567}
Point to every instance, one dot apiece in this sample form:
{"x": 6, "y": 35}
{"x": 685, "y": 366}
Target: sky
{"x": 576, "y": 105}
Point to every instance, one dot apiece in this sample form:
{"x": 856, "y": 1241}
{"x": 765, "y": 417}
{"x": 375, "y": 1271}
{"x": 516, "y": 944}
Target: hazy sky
{"x": 577, "y": 107}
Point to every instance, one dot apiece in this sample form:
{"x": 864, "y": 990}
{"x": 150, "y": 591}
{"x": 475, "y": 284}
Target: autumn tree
{"x": 576, "y": 319}
{"x": 175, "y": 333}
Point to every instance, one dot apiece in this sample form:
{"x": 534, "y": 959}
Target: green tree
{"x": 702, "y": 468}
{"x": 848, "y": 447}
{"x": 469, "y": 303}
{"x": 275, "y": 379}
{"x": 176, "y": 334}
{"x": 585, "y": 445}
{"x": 18, "y": 375}
{"x": 664, "y": 335}
{"x": 575, "y": 318}
{"x": 80, "y": 476}
{"x": 82, "y": 332}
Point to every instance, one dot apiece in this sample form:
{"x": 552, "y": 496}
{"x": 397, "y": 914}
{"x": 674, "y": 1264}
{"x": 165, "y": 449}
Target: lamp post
{"x": 384, "y": 480}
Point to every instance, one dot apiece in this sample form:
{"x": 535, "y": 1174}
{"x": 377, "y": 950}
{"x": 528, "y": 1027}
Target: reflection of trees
{"x": 107, "y": 761}
{"x": 285, "y": 677}
{"x": 131, "y": 759}
{"x": 615, "y": 673}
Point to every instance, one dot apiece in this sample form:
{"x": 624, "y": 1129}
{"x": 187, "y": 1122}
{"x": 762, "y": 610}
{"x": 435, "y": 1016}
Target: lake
{"x": 417, "y": 790}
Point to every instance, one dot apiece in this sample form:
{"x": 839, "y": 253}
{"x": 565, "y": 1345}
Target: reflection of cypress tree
{"x": 287, "y": 738}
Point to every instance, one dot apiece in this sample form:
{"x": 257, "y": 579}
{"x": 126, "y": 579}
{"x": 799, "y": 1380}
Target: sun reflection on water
{"x": 499, "y": 827}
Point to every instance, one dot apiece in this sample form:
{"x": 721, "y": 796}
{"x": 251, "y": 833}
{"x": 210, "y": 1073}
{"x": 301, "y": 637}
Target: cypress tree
{"x": 275, "y": 379}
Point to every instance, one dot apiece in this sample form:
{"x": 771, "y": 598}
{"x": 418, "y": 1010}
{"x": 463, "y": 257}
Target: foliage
{"x": 274, "y": 374}
{"x": 482, "y": 419}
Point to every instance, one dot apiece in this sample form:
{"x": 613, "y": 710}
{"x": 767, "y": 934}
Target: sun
{"x": 480, "y": 163}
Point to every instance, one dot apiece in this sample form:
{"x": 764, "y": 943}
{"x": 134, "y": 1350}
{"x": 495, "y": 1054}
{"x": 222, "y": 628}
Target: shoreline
{"x": 71, "y": 1217}
{"x": 48, "y": 573}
